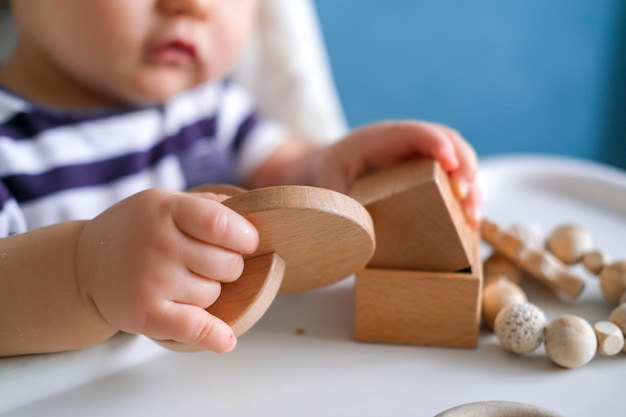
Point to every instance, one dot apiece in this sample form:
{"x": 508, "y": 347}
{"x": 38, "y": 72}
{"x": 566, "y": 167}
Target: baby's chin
{"x": 157, "y": 92}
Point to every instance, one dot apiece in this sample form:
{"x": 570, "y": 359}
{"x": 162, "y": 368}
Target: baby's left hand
{"x": 379, "y": 145}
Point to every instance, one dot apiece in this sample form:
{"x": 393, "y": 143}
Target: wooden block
{"x": 420, "y": 307}
{"x": 418, "y": 221}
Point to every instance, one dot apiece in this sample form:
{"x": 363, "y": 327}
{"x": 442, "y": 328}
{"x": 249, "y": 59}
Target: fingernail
{"x": 475, "y": 214}
{"x": 460, "y": 187}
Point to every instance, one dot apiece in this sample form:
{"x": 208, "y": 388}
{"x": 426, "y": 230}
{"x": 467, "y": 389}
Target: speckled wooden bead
{"x": 618, "y": 316}
{"x": 498, "y": 295}
{"x": 570, "y": 341}
{"x": 520, "y": 327}
{"x": 610, "y": 338}
{"x": 569, "y": 243}
{"x": 595, "y": 261}
{"x": 498, "y": 264}
{"x": 613, "y": 281}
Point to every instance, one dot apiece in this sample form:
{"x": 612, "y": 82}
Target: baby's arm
{"x": 374, "y": 147}
{"x": 150, "y": 264}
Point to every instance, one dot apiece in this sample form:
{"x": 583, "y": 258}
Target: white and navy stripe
{"x": 57, "y": 166}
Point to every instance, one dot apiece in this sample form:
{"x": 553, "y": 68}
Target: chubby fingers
{"x": 451, "y": 150}
{"x": 192, "y": 325}
{"x": 463, "y": 177}
{"x": 204, "y": 219}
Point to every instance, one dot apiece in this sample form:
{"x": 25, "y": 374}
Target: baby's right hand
{"x": 153, "y": 263}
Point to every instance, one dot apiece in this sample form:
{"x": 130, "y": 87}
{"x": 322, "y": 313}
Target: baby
{"x": 109, "y": 111}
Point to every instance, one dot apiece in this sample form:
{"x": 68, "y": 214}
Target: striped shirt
{"x": 57, "y": 166}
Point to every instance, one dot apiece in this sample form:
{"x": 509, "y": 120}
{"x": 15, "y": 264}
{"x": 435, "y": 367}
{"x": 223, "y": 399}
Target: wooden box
{"x": 419, "y": 307}
{"x": 423, "y": 285}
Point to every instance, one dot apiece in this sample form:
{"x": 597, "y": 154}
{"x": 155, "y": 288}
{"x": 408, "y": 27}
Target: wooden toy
{"x": 417, "y": 307}
{"x": 309, "y": 237}
{"x": 537, "y": 262}
{"x": 610, "y": 338}
{"x": 595, "y": 261}
{"x": 613, "y": 281}
{"x": 499, "y": 293}
{"x": 618, "y": 316}
{"x": 423, "y": 284}
{"x": 419, "y": 223}
{"x": 569, "y": 243}
{"x": 570, "y": 341}
{"x": 498, "y": 265}
{"x": 520, "y": 327}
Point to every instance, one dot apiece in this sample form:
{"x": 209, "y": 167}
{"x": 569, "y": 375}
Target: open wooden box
{"x": 423, "y": 284}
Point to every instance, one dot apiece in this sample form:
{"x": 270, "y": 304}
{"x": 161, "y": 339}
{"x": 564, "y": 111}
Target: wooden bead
{"x": 498, "y": 264}
{"x": 529, "y": 233}
{"x": 595, "y": 261}
{"x": 610, "y": 338}
{"x": 622, "y": 299}
{"x": 520, "y": 327}
{"x": 613, "y": 281}
{"x": 498, "y": 295}
{"x": 569, "y": 243}
{"x": 570, "y": 341}
{"x": 618, "y": 316}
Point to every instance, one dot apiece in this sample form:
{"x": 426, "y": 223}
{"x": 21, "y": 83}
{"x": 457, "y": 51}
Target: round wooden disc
{"x": 309, "y": 237}
{"x": 322, "y": 235}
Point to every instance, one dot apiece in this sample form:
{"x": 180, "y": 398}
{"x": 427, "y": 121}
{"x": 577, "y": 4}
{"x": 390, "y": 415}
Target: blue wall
{"x": 512, "y": 76}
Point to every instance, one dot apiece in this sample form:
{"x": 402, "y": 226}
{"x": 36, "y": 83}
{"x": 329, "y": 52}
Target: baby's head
{"x": 95, "y": 53}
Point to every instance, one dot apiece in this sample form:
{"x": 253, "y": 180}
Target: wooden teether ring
{"x": 309, "y": 237}
{"x": 322, "y": 235}
{"x": 497, "y": 409}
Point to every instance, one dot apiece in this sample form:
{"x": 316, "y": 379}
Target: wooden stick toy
{"x": 539, "y": 263}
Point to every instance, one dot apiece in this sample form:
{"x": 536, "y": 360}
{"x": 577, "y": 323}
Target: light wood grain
{"x": 498, "y": 294}
{"x": 613, "y": 281}
{"x": 570, "y": 341}
{"x": 418, "y": 221}
{"x": 610, "y": 338}
{"x": 322, "y": 235}
{"x": 538, "y": 263}
{"x": 569, "y": 243}
{"x": 243, "y": 302}
{"x": 419, "y": 307}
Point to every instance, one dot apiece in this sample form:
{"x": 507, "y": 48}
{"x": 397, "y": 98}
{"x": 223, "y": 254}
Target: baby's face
{"x": 129, "y": 51}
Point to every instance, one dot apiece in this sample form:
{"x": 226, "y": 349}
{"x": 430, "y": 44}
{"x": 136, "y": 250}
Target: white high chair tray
{"x": 301, "y": 360}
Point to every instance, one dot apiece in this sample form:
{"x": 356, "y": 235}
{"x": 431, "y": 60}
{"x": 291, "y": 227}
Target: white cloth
{"x": 286, "y": 68}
